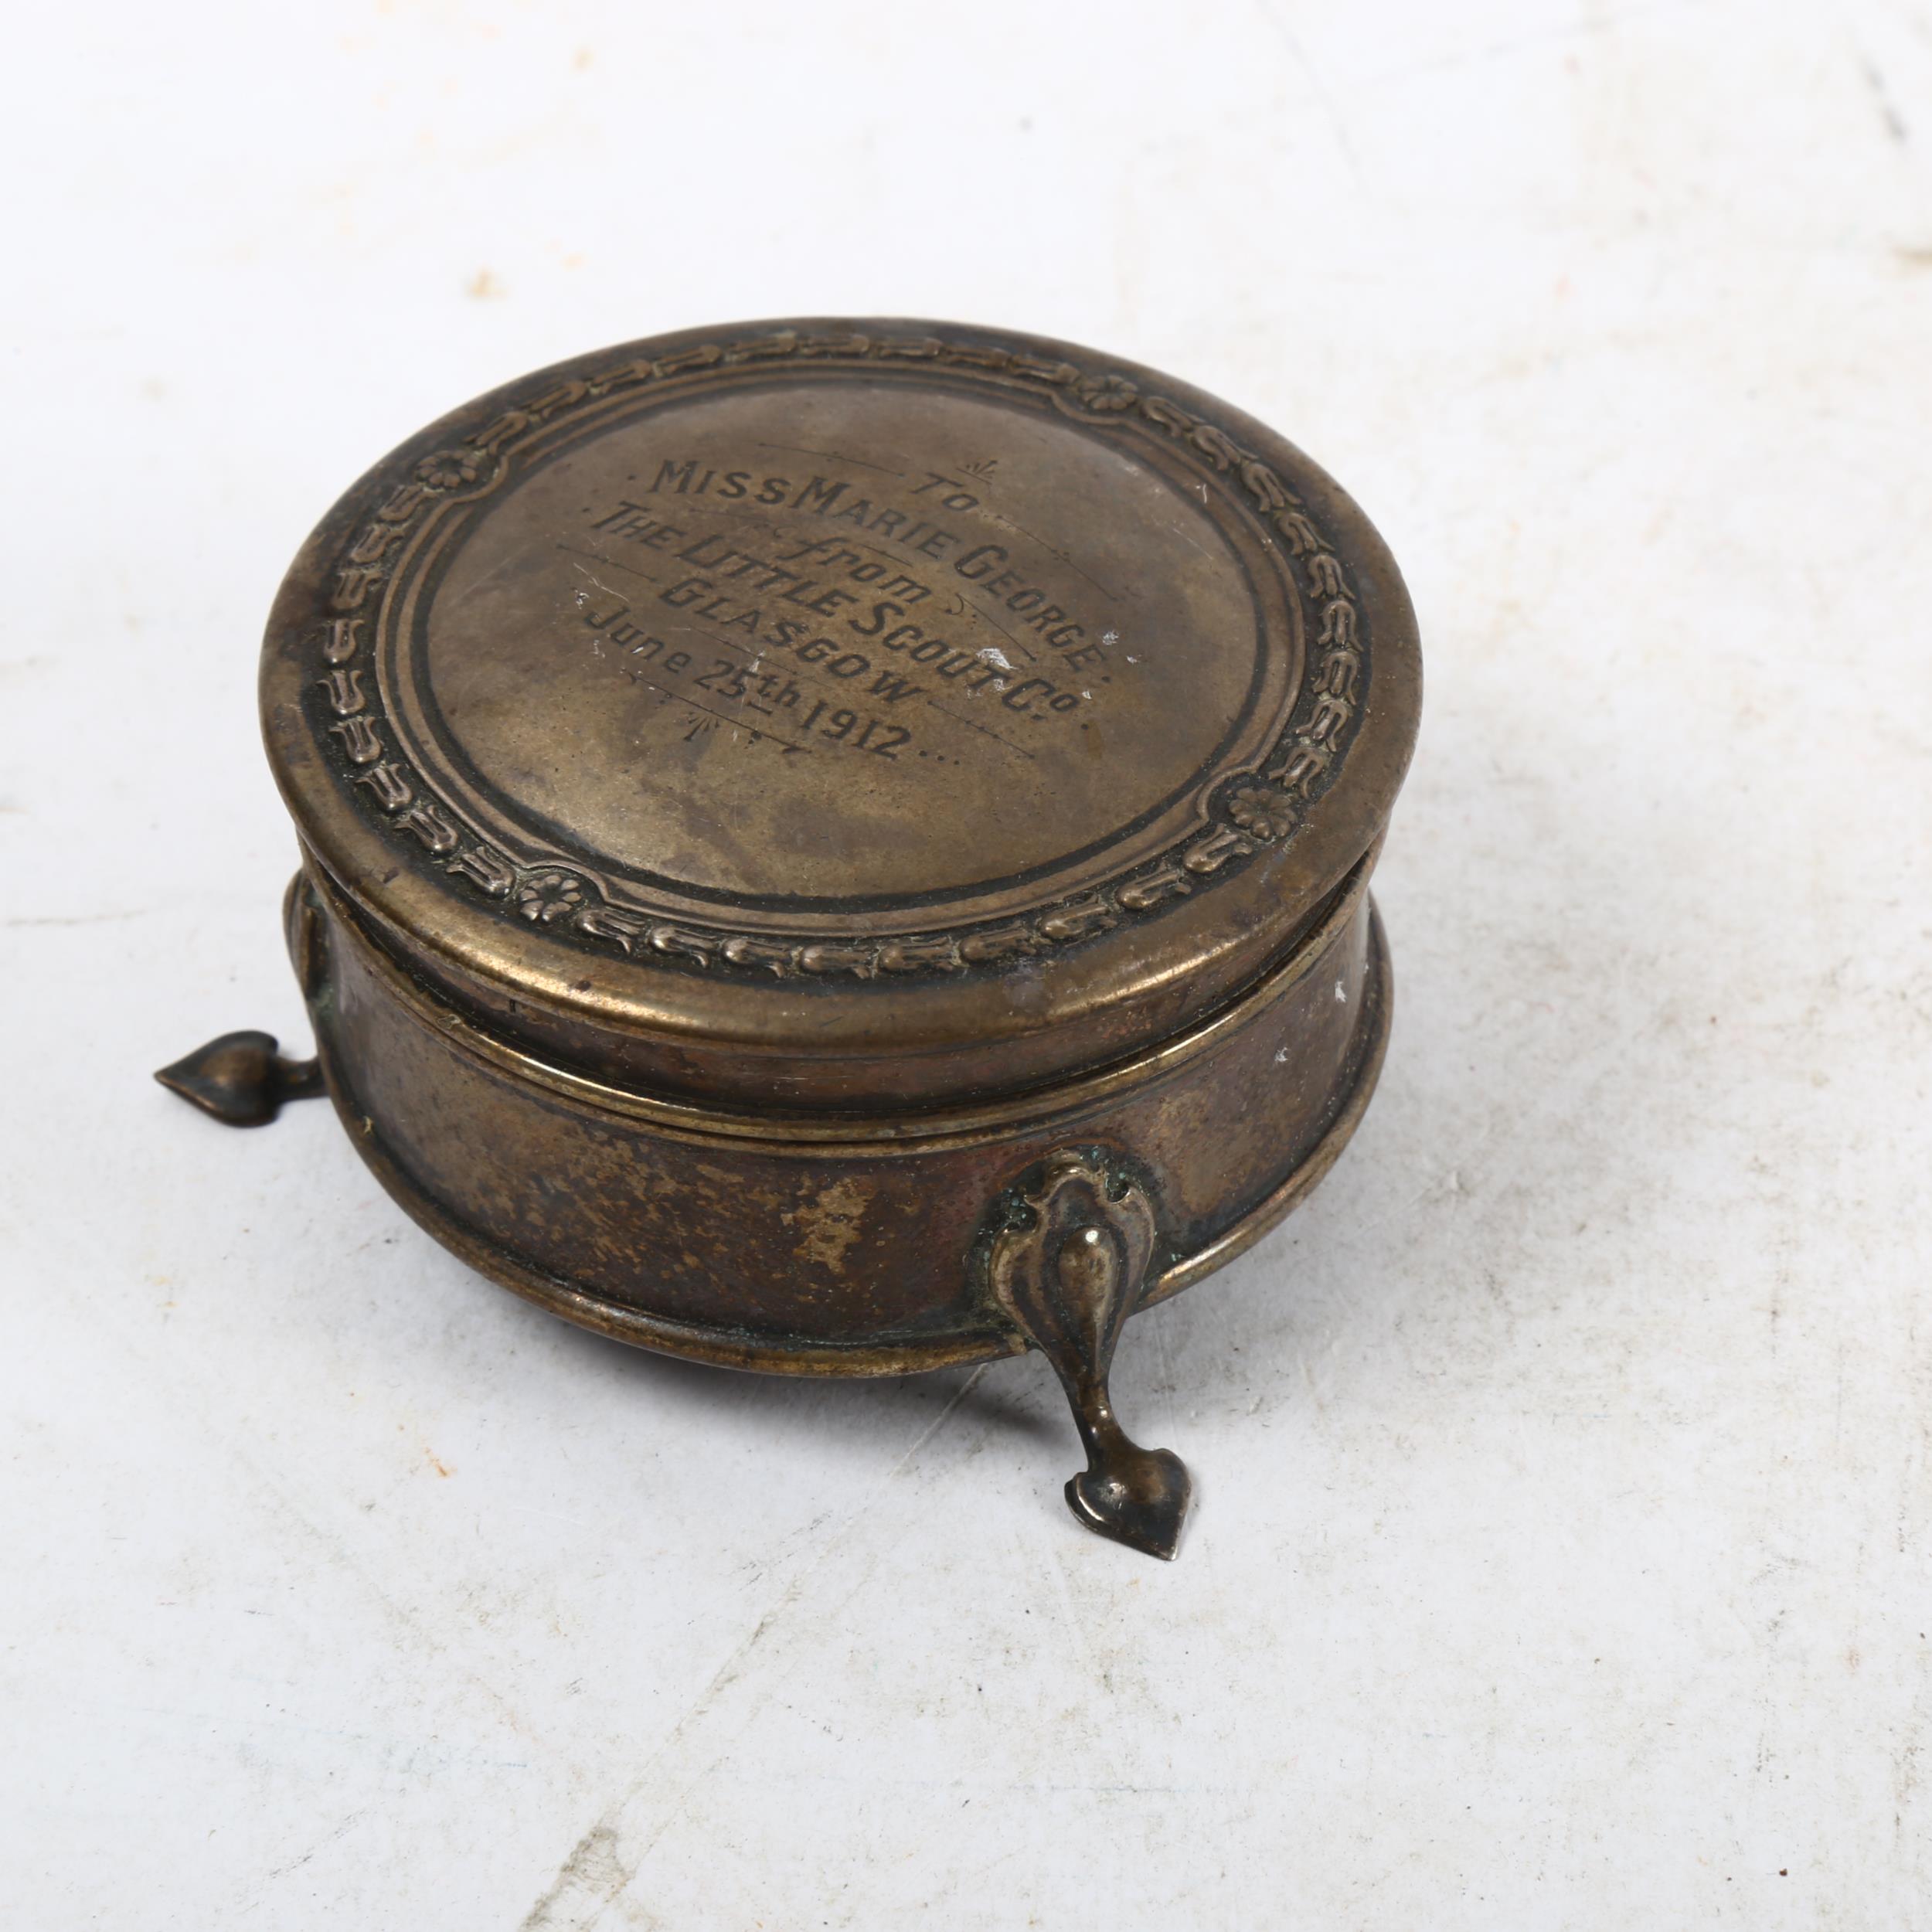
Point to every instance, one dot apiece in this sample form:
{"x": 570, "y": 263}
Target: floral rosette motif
{"x": 548, "y": 896}
{"x": 1261, "y": 813}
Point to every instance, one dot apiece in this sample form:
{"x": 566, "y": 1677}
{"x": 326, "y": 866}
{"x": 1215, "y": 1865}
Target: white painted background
{"x": 1564, "y": 1551}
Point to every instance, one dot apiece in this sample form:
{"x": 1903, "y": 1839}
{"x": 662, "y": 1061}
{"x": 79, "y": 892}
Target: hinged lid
{"x": 841, "y": 713}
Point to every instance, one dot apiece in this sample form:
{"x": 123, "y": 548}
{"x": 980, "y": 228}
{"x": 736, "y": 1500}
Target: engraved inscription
{"x": 987, "y": 565}
{"x": 734, "y": 588}
{"x": 763, "y": 694}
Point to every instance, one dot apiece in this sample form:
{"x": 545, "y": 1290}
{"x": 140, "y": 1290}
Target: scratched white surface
{"x": 1562, "y": 1554}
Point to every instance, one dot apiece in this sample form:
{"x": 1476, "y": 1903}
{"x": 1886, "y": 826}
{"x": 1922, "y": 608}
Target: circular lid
{"x": 840, "y": 712}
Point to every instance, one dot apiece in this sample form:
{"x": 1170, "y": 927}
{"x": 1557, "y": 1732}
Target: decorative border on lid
{"x": 1261, "y": 807}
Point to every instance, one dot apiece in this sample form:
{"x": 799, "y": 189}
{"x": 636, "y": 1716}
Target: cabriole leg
{"x": 241, "y": 1079}
{"x": 1066, "y": 1268}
